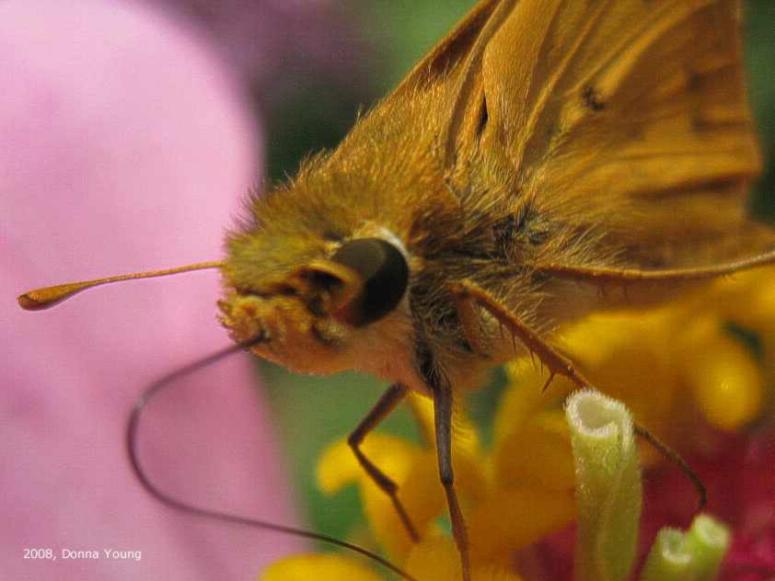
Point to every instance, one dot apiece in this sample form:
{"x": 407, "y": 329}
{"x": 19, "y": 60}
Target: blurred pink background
{"x": 126, "y": 144}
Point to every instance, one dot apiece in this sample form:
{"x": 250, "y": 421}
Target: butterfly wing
{"x": 631, "y": 117}
{"x": 626, "y": 118}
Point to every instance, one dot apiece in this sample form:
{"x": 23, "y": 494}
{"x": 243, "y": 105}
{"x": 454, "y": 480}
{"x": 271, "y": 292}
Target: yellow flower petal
{"x": 539, "y": 454}
{"x": 398, "y": 459}
{"x": 436, "y": 559}
{"x": 413, "y": 469}
{"x": 322, "y": 567}
{"x": 338, "y": 466}
{"x": 420, "y": 495}
{"x": 726, "y": 382}
{"x": 423, "y": 497}
{"x": 748, "y": 299}
{"x": 513, "y": 518}
{"x": 525, "y": 397}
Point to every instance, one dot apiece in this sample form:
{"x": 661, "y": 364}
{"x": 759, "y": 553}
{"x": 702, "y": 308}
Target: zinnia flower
{"x": 695, "y": 373}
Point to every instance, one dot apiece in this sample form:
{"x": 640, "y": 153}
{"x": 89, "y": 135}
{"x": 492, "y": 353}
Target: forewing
{"x": 628, "y": 118}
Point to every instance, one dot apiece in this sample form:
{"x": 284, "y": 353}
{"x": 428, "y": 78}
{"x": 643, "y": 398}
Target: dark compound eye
{"x": 385, "y": 276}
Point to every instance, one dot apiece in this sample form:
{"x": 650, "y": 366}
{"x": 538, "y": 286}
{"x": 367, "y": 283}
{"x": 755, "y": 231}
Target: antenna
{"x": 44, "y": 298}
{"x": 132, "y": 429}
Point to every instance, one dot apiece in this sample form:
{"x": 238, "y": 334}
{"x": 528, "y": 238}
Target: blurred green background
{"x": 312, "y": 412}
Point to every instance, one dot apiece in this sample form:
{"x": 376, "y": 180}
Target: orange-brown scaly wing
{"x": 630, "y": 118}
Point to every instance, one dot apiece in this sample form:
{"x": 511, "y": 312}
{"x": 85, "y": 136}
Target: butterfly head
{"x": 317, "y": 316}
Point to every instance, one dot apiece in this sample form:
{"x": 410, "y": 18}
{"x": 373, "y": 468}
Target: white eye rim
{"x": 372, "y": 230}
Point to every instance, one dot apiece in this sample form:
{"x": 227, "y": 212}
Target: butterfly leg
{"x": 470, "y": 320}
{"x": 386, "y": 404}
{"x": 442, "y": 409}
{"x": 559, "y": 364}
{"x": 471, "y": 294}
{"x": 603, "y": 276}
